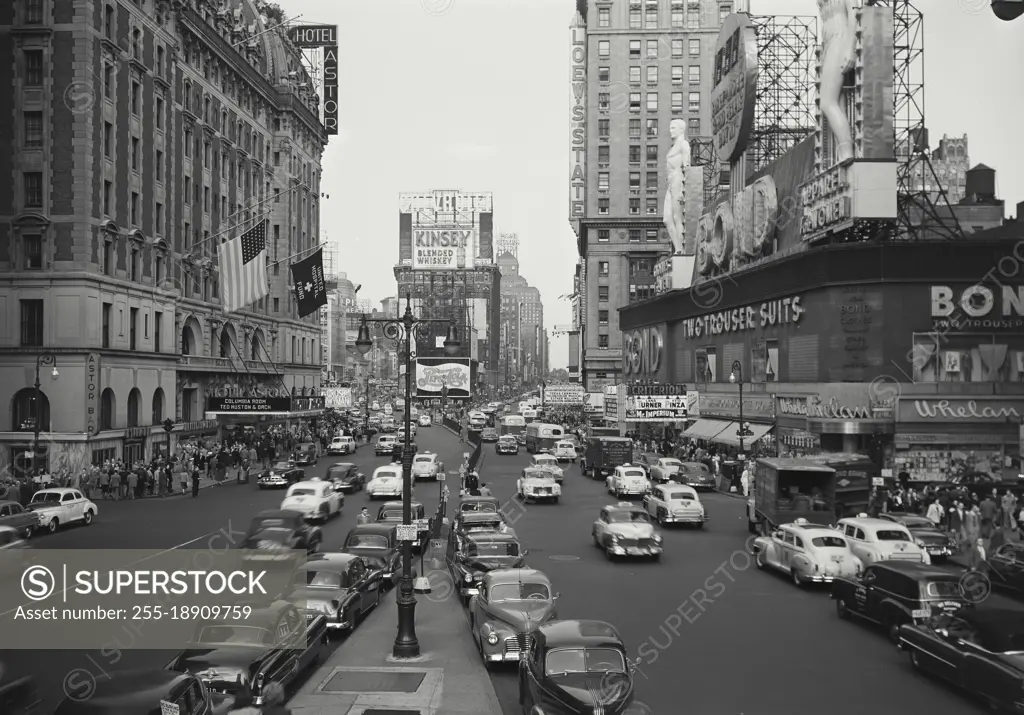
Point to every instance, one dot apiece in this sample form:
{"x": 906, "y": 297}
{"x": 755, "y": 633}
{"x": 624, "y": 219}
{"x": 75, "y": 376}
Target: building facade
{"x": 522, "y": 324}
{"x": 141, "y": 134}
{"x": 637, "y": 66}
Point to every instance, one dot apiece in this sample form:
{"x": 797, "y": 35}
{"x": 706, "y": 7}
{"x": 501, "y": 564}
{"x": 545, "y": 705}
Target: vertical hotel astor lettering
{"x": 578, "y": 181}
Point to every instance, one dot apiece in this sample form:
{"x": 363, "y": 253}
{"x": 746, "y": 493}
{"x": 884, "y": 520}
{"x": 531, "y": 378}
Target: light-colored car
{"x": 425, "y": 421}
{"x": 426, "y": 465}
{"x": 809, "y": 553}
{"x": 538, "y": 485}
{"x": 628, "y": 480}
{"x": 510, "y": 604}
{"x": 624, "y": 529}
{"x": 60, "y": 507}
{"x": 314, "y": 500}
{"x": 549, "y": 463}
{"x": 385, "y": 444}
{"x": 873, "y": 540}
{"x": 673, "y": 503}
{"x": 564, "y": 451}
{"x": 385, "y": 483}
{"x": 342, "y": 445}
{"x": 664, "y": 469}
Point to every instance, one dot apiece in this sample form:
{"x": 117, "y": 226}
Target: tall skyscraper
{"x": 522, "y": 324}
{"x": 636, "y": 67}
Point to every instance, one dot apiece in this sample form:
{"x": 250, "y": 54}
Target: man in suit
{"x": 957, "y": 516}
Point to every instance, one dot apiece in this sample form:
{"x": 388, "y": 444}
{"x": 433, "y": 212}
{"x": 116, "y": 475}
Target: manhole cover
{"x": 563, "y": 557}
{"x": 370, "y": 681}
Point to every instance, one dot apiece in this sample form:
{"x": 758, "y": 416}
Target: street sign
{"x": 440, "y": 477}
{"x": 408, "y": 532}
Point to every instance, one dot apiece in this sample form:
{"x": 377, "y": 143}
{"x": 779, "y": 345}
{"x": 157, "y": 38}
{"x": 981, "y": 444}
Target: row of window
{"x": 651, "y": 206}
{"x": 692, "y": 103}
{"x": 604, "y": 129}
{"x": 650, "y": 49}
{"x": 689, "y": 17}
{"x": 636, "y": 73}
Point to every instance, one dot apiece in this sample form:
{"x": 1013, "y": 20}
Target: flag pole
{"x": 300, "y": 253}
{"x": 248, "y": 208}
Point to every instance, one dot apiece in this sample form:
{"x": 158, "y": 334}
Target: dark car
{"x": 15, "y": 516}
{"x": 391, "y": 513}
{"x": 471, "y": 522}
{"x": 646, "y": 460}
{"x": 305, "y": 454}
{"x": 927, "y": 535}
{"x": 576, "y": 667}
{"x": 894, "y": 593}
{"x": 479, "y": 504}
{"x": 141, "y": 692}
{"x": 399, "y": 448}
{"x": 378, "y": 544}
{"x": 1006, "y": 569}
{"x": 978, "y": 650}
{"x": 470, "y": 556}
{"x": 507, "y": 444}
{"x": 340, "y": 587}
{"x": 346, "y": 477}
{"x": 276, "y": 644}
{"x": 281, "y": 475}
{"x": 696, "y": 475}
{"x": 18, "y": 694}
{"x": 489, "y": 434}
{"x": 277, "y": 531}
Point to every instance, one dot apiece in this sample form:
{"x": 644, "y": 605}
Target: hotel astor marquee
{"x": 910, "y": 354}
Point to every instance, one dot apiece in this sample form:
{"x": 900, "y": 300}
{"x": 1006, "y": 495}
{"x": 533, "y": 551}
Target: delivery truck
{"x": 603, "y": 454}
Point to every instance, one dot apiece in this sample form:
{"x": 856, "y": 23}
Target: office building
{"x": 522, "y": 324}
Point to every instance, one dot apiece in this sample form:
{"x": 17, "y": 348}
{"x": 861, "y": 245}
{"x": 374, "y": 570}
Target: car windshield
{"x": 424, "y": 459}
{"x": 624, "y": 517}
{"x": 671, "y": 463}
{"x": 580, "y": 660}
{"x": 480, "y": 506}
{"x": 829, "y": 542}
{"x": 368, "y": 541}
{"x": 891, "y": 535}
{"x": 337, "y": 472}
{"x": 282, "y": 466}
{"x": 488, "y": 525}
{"x": 524, "y": 591}
{"x": 695, "y": 468}
{"x": 916, "y": 522}
{"x": 302, "y": 492}
{"x": 634, "y": 473}
{"x": 243, "y": 635}
{"x": 46, "y": 498}
{"x": 386, "y": 475}
{"x": 488, "y": 549}
{"x": 942, "y": 589}
{"x": 275, "y": 536}
{"x": 545, "y": 460}
{"x": 679, "y": 496}
{"x": 392, "y": 514}
{"x": 322, "y": 579}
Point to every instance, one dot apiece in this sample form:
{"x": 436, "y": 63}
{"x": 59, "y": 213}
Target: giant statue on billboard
{"x": 677, "y": 162}
{"x": 839, "y": 50}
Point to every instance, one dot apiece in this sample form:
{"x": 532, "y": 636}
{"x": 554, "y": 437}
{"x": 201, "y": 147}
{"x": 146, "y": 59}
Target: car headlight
{"x": 558, "y": 489}
{"x": 492, "y": 638}
{"x": 656, "y": 538}
{"x": 614, "y": 537}
{"x": 468, "y": 578}
{"x": 919, "y": 543}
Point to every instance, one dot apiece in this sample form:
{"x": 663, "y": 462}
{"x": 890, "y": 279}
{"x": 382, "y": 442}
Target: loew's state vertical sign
{"x": 578, "y": 124}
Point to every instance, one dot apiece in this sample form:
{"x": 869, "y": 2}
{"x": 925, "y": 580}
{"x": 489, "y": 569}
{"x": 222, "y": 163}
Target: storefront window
{"x": 967, "y": 357}
{"x": 99, "y": 456}
{"x": 942, "y": 464}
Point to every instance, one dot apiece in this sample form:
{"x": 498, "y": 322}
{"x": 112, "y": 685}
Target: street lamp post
{"x": 736, "y": 377}
{"x": 401, "y": 331}
{"x": 47, "y": 359}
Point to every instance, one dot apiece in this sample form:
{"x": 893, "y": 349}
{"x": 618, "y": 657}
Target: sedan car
{"x": 425, "y": 421}
{"x": 340, "y": 587}
{"x": 385, "y": 445}
{"x": 471, "y": 556}
{"x": 1006, "y": 568}
{"x": 579, "y": 665}
{"x": 392, "y": 512}
{"x": 281, "y": 475}
{"x": 675, "y": 504}
{"x": 471, "y": 503}
{"x": 926, "y": 534}
{"x": 664, "y": 469}
{"x": 59, "y": 507}
{"x": 345, "y": 477}
{"x": 17, "y": 517}
{"x": 808, "y": 553}
{"x": 426, "y": 465}
{"x": 627, "y": 480}
{"x": 874, "y": 540}
{"x": 317, "y": 501}
{"x": 538, "y": 485}
{"x": 386, "y": 482}
{"x": 510, "y": 605}
{"x": 550, "y": 464}
{"x": 564, "y": 451}
{"x": 342, "y": 445}
{"x": 507, "y": 444}
{"x": 273, "y": 533}
{"x": 489, "y": 434}
{"x": 473, "y": 522}
{"x": 143, "y": 691}
{"x": 306, "y": 454}
{"x": 275, "y": 644}
{"x": 977, "y": 650}
{"x": 646, "y": 461}
{"x": 379, "y": 546}
{"x": 696, "y": 475}
{"x": 624, "y": 529}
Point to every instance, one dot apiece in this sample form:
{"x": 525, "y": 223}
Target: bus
{"x": 529, "y": 415}
{"x": 541, "y": 437}
{"x": 513, "y": 424}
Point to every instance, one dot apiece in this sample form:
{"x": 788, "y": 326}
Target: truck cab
{"x": 786, "y": 490}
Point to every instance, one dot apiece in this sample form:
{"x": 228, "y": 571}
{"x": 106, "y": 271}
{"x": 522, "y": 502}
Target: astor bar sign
{"x": 961, "y": 410}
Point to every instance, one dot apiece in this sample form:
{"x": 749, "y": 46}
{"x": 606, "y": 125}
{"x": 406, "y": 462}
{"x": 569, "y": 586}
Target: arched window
{"x": 134, "y": 400}
{"x": 158, "y": 405}
{"x": 107, "y": 409}
{"x": 188, "y": 340}
{"x": 23, "y": 412}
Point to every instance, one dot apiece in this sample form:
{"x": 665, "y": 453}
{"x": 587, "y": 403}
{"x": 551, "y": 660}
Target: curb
{"x": 733, "y": 495}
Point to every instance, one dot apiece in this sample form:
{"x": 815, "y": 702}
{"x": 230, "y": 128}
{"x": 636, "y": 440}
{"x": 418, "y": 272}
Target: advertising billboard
{"x": 442, "y": 248}
{"x": 338, "y": 398}
{"x": 565, "y": 394}
{"x": 434, "y": 374}
{"x": 656, "y": 403}
{"x": 248, "y": 405}
{"x": 578, "y": 121}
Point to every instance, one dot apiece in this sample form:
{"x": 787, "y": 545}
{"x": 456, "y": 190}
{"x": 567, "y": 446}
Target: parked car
{"x": 275, "y": 644}
{"x": 507, "y": 444}
{"x": 624, "y": 529}
{"x": 808, "y": 553}
{"x": 392, "y": 513}
{"x": 346, "y": 477}
{"x": 385, "y": 482}
{"x": 17, "y": 517}
{"x": 342, "y": 588}
{"x": 273, "y": 533}
{"x": 342, "y": 445}
{"x": 471, "y": 503}
{"x": 565, "y": 662}
{"x": 378, "y": 544}
{"x": 509, "y": 607}
{"x": 306, "y": 454}
{"x": 59, "y": 507}
{"x": 894, "y": 593}
{"x": 926, "y": 534}
{"x": 144, "y": 692}
{"x": 471, "y": 556}
{"x": 675, "y": 504}
{"x": 1006, "y": 568}
{"x": 281, "y": 475}
{"x": 316, "y": 501}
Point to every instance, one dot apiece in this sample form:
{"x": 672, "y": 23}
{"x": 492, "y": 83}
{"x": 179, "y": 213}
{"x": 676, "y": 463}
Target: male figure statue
{"x": 839, "y": 47}
{"x": 676, "y": 164}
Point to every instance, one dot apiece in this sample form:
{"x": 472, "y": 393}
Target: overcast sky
{"x": 474, "y": 95}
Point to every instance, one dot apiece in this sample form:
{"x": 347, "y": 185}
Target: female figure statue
{"x": 839, "y": 46}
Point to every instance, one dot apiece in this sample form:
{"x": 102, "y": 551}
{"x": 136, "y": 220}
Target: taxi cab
{"x": 809, "y": 553}
{"x": 873, "y": 540}
{"x": 564, "y": 451}
{"x": 628, "y": 480}
{"x": 674, "y": 503}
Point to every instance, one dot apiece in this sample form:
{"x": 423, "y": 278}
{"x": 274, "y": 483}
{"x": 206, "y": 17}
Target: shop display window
{"x": 939, "y": 465}
{"x": 967, "y": 357}
{"x": 99, "y": 456}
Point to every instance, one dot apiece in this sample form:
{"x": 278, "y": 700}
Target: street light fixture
{"x": 736, "y": 378}
{"x": 37, "y": 408}
{"x": 401, "y": 331}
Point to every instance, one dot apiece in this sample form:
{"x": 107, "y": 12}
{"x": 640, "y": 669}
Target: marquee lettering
{"x": 642, "y": 351}
{"x": 814, "y": 407}
{"x": 578, "y": 125}
{"x": 929, "y": 409}
{"x": 770, "y": 313}
{"x": 978, "y": 301}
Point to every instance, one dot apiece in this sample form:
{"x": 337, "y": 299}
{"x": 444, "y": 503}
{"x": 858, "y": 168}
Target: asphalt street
{"x": 216, "y": 520}
{"x": 715, "y": 636}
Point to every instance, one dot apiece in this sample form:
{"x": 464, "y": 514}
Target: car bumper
{"x": 308, "y": 461}
{"x": 532, "y": 495}
{"x": 424, "y": 475}
{"x": 633, "y": 491}
{"x": 635, "y": 550}
{"x": 684, "y": 519}
{"x": 274, "y": 484}
{"x": 500, "y": 655}
{"x": 939, "y": 551}
{"x": 381, "y": 452}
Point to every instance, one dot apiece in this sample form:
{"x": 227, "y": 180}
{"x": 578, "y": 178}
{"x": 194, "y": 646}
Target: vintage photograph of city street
{"x": 511, "y": 357}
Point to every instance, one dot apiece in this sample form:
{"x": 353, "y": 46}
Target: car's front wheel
{"x": 52, "y": 526}
{"x": 88, "y": 517}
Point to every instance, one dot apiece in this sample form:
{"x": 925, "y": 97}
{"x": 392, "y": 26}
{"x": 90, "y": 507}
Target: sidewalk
{"x": 204, "y": 483}
{"x": 447, "y": 678}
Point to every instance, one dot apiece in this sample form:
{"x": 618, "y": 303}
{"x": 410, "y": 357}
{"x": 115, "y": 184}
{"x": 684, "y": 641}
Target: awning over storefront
{"x": 705, "y": 429}
{"x": 730, "y": 435}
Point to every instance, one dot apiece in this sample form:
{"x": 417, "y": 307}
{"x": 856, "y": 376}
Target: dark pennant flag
{"x": 310, "y": 287}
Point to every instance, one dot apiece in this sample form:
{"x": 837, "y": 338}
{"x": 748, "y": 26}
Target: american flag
{"x": 243, "y": 269}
